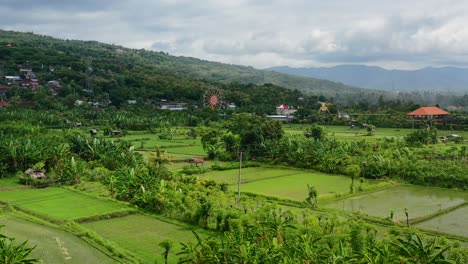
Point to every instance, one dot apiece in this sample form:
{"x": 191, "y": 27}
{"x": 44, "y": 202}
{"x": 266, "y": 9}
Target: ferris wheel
{"x": 213, "y": 98}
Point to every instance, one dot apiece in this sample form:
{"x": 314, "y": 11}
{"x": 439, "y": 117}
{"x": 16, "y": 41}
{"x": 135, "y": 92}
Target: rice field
{"x": 9, "y": 183}
{"x": 418, "y": 200}
{"x": 345, "y": 133}
{"x": 455, "y": 222}
{"x": 52, "y": 245}
{"x": 141, "y": 235}
{"x": 187, "y": 150}
{"x": 282, "y": 182}
{"x": 60, "y": 203}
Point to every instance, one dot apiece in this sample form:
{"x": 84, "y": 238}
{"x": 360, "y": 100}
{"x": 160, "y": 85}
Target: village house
{"x": 285, "y": 110}
{"x": 26, "y": 79}
{"x": 53, "y": 84}
{"x": 283, "y": 113}
{"x": 12, "y": 79}
{"x": 173, "y": 106}
{"x": 230, "y": 105}
{"x": 4, "y": 89}
{"x": 428, "y": 114}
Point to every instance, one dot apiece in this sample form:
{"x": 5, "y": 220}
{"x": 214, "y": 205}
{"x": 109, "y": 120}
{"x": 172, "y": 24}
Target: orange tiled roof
{"x": 427, "y": 111}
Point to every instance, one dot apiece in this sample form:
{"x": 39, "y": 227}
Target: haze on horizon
{"x": 393, "y": 34}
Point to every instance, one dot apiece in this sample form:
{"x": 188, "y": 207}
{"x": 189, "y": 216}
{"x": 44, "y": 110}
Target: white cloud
{"x": 398, "y": 33}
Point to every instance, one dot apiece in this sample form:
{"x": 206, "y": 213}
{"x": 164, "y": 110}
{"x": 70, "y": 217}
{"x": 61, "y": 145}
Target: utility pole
{"x": 240, "y": 177}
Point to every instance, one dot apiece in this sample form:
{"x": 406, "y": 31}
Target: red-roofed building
{"x": 428, "y": 114}
{"x": 4, "y": 89}
{"x": 3, "y": 104}
{"x": 285, "y": 110}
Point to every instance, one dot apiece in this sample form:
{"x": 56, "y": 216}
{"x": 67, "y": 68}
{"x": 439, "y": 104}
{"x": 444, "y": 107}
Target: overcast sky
{"x": 395, "y": 34}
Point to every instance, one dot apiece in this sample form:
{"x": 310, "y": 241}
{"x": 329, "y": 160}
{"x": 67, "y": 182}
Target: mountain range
{"x": 446, "y": 79}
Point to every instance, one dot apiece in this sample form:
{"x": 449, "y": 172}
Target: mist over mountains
{"x": 446, "y": 79}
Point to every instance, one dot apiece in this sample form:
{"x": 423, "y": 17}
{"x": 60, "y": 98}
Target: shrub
{"x": 234, "y": 165}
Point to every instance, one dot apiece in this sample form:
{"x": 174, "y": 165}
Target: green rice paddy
{"x": 60, "y": 203}
{"x": 295, "y": 186}
{"x": 141, "y": 235}
{"x": 282, "y": 182}
{"x": 9, "y": 182}
{"x": 190, "y": 150}
{"x": 347, "y": 134}
{"x": 52, "y": 245}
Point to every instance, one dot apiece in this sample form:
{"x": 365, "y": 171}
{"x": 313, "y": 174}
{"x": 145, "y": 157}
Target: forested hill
{"x": 113, "y": 63}
{"x": 446, "y": 79}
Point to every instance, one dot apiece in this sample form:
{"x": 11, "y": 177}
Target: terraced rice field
{"x": 419, "y": 201}
{"x": 141, "y": 235}
{"x": 282, "y": 182}
{"x": 454, "y": 222}
{"x": 60, "y": 203}
{"x": 52, "y": 245}
{"x": 10, "y": 182}
{"x": 190, "y": 150}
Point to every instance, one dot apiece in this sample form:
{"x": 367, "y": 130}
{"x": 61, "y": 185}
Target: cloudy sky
{"x": 395, "y": 34}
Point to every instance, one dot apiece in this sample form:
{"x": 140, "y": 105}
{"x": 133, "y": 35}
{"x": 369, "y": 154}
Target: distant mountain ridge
{"x": 446, "y": 79}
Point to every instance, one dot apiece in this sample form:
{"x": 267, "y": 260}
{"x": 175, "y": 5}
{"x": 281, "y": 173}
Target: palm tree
{"x": 160, "y": 157}
{"x": 407, "y": 217}
{"x": 312, "y": 195}
{"x": 167, "y": 246}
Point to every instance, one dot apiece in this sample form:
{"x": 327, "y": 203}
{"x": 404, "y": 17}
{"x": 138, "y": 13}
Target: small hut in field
{"x": 196, "y": 161}
{"x": 35, "y": 174}
{"x": 428, "y": 114}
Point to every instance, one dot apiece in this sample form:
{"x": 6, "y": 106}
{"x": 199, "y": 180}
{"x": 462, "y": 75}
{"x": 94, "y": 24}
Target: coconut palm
{"x": 312, "y": 197}
{"x": 167, "y": 246}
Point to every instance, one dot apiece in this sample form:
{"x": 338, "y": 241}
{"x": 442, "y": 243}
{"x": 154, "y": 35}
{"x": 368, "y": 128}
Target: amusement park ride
{"x": 213, "y": 98}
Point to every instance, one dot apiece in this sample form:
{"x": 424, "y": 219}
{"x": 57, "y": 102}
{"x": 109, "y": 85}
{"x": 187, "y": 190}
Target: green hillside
{"x": 123, "y": 73}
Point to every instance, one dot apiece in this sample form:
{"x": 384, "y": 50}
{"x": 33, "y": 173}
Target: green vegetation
{"x": 281, "y": 182}
{"x": 126, "y": 68}
{"x": 102, "y": 171}
{"x": 141, "y": 235}
{"x": 295, "y": 186}
{"x": 10, "y": 182}
{"x": 190, "y": 150}
{"x": 52, "y": 245}
{"x": 60, "y": 203}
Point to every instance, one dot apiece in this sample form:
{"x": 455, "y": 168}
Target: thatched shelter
{"x": 35, "y": 174}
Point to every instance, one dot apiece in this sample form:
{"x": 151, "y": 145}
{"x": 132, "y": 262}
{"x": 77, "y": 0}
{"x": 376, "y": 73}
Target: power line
{"x": 240, "y": 176}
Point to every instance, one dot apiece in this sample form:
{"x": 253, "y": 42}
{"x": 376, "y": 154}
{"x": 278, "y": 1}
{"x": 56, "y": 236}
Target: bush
{"x": 315, "y": 131}
{"x": 422, "y": 137}
{"x": 234, "y": 165}
{"x": 36, "y": 183}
